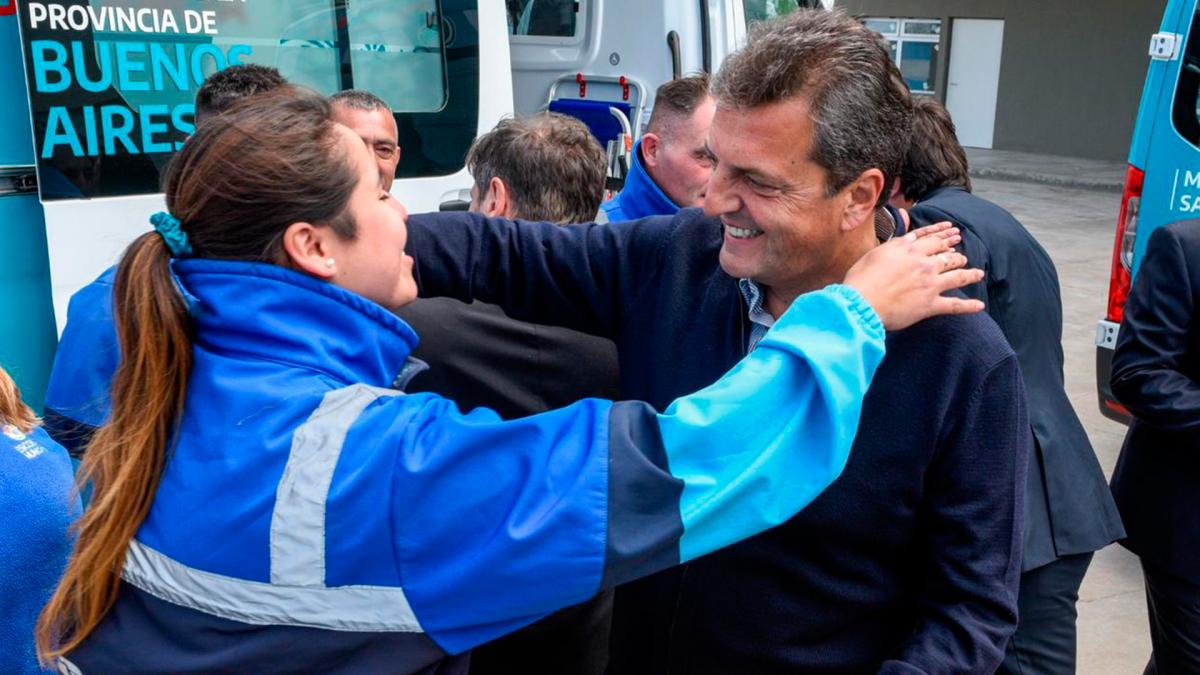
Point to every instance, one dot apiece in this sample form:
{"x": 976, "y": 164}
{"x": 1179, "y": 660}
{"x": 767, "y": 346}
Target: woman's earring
{"x": 329, "y": 263}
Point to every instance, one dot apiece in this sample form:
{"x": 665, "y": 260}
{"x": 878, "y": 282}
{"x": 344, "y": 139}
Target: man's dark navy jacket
{"x": 1156, "y": 374}
{"x": 908, "y": 563}
{"x": 1077, "y": 514}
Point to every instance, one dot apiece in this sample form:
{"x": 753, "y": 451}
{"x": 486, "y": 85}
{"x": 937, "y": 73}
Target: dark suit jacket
{"x": 1156, "y": 374}
{"x": 1070, "y": 509}
{"x": 479, "y": 357}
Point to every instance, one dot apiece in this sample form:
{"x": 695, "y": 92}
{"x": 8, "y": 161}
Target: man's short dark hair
{"x": 935, "y": 158}
{"x": 228, "y": 86}
{"x": 861, "y": 109}
{"x": 359, "y": 99}
{"x": 677, "y": 100}
{"x": 554, "y": 168}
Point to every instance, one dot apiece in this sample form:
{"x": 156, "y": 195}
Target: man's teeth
{"x": 742, "y": 233}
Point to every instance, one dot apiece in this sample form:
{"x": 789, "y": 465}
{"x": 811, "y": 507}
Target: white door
{"x": 975, "y": 46}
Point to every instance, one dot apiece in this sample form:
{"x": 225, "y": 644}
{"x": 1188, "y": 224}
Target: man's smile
{"x": 742, "y": 232}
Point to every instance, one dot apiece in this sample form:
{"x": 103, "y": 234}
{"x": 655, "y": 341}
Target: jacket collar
{"x": 267, "y": 312}
{"x": 641, "y": 196}
{"x": 945, "y": 189}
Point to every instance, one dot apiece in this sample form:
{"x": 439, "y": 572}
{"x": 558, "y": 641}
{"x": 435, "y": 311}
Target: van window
{"x": 1186, "y": 110}
{"x": 763, "y": 10}
{"x": 112, "y": 93}
{"x": 543, "y": 18}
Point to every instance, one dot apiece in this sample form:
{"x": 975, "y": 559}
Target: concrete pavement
{"x": 1068, "y": 172}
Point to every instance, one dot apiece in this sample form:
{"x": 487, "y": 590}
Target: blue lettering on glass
{"x": 130, "y": 57}
{"x": 187, "y": 126}
{"x": 42, "y": 66}
{"x": 198, "y": 60}
{"x": 117, "y": 132}
{"x": 150, "y": 127}
{"x": 59, "y": 129}
{"x": 103, "y": 61}
{"x": 161, "y": 63}
{"x": 89, "y": 129}
{"x": 236, "y": 52}
{"x": 123, "y": 66}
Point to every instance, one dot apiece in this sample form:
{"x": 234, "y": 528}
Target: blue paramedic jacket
{"x": 639, "y": 197}
{"x": 37, "y": 505}
{"x": 312, "y": 517}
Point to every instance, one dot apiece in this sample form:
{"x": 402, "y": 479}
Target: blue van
{"x": 1162, "y": 183}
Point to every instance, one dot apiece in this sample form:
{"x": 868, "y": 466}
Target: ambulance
{"x": 96, "y": 96}
{"x": 1162, "y": 182}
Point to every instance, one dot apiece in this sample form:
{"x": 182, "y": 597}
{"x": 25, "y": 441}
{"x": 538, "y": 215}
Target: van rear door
{"x": 1163, "y": 180}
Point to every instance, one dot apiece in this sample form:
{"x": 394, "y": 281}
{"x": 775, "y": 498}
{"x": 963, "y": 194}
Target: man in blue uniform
{"x": 77, "y": 395}
{"x": 670, "y": 166}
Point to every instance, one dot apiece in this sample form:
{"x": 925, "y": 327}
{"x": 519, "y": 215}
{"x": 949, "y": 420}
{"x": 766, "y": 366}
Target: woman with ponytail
{"x": 37, "y": 503}
{"x": 266, "y": 499}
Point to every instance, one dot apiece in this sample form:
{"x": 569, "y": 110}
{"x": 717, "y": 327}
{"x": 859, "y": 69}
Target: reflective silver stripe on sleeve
{"x": 343, "y": 608}
{"x": 298, "y": 523}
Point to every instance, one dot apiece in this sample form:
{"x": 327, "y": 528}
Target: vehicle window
{"x": 542, "y": 18}
{"x": 763, "y": 10}
{"x": 1186, "y": 110}
{"x": 918, "y": 65}
{"x": 915, "y": 46}
{"x": 112, "y": 88}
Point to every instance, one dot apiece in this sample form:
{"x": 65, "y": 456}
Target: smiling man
{"x": 371, "y": 118}
{"x": 909, "y": 562}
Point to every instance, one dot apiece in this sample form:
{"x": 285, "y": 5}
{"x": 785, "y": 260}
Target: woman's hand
{"x": 903, "y": 280}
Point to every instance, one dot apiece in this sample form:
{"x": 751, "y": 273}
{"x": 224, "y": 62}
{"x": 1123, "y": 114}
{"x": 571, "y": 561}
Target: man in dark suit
{"x": 544, "y": 167}
{"x": 1069, "y": 513}
{"x": 1156, "y": 375}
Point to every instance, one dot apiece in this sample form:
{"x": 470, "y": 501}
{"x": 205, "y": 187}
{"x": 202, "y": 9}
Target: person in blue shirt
{"x": 267, "y": 499}
{"x": 37, "y": 505}
{"x": 74, "y": 410}
{"x": 670, "y": 165}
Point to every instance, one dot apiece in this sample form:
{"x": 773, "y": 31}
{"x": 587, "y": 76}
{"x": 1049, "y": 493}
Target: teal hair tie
{"x": 172, "y": 233}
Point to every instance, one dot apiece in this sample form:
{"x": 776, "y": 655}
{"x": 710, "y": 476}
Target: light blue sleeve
{"x": 763, "y": 441}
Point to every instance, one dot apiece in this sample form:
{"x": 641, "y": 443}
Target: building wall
{"x": 1071, "y": 71}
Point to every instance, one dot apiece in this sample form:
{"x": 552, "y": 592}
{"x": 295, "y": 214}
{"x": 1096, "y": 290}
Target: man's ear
{"x": 651, "y": 146}
{"x": 862, "y": 196}
{"x": 308, "y": 249}
{"x": 498, "y": 201}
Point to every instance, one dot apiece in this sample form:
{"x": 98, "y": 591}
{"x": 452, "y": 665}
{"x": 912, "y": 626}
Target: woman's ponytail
{"x": 125, "y": 459}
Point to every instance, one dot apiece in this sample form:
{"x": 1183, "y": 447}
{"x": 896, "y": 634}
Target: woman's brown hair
{"x": 12, "y": 409}
{"x": 236, "y": 185}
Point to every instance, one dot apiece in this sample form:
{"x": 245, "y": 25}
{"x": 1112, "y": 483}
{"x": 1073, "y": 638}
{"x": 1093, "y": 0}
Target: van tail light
{"x": 1122, "y": 258}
